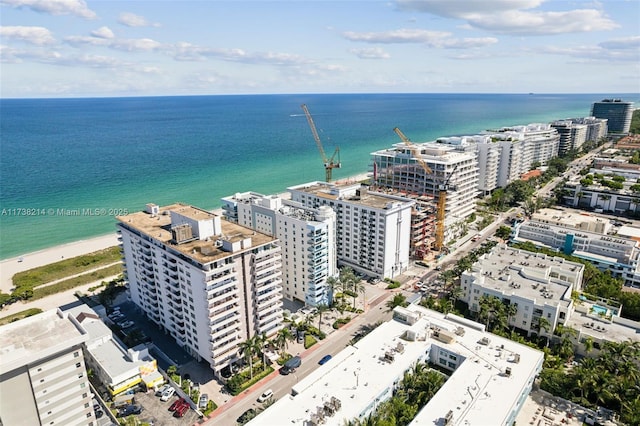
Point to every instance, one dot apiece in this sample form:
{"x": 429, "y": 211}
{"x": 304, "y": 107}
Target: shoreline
{"x": 13, "y": 265}
{"x": 9, "y": 267}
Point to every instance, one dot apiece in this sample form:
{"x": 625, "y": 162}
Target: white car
{"x": 126, "y": 324}
{"x": 167, "y": 394}
{"x": 265, "y": 395}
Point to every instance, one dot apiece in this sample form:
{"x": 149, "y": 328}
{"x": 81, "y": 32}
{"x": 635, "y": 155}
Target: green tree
{"x": 249, "y": 348}
{"x": 282, "y": 339}
{"x": 503, "y": 232}
{"x": 398, "y": 300}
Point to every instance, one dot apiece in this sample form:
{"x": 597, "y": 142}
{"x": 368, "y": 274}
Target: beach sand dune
{"x": 9, "y": 267}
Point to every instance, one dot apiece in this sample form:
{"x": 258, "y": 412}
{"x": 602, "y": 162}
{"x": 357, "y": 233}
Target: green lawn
{"x": 66, "y": 268}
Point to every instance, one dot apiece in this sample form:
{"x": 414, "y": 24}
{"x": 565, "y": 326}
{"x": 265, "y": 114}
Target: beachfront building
{"x": 398, "y": 169}
{"x": 307, "y": 238}
{"x": 538, "y": 285}
{"x": 617, "y": 113}
{"x": 521, "y": 147}
{"x": 209, "y": 283}
{"x": 117, "y": 367}
{"x": 587, "y": 237}
{"x": 43, "y": 378}
{"x": 373, "y": 229}
{"x": 572, "y": 135}
{"x": 487, "y": 377}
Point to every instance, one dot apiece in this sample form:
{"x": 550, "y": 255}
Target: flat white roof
{"x": 37, "y": 337}
{"x": 360, "y": 378}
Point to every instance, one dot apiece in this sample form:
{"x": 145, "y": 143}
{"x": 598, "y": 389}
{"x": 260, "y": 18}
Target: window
{"x": 76, "y": 354}
{"x": 78, "y": 365}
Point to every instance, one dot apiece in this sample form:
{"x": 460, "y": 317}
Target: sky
{"x": 76, "y": 48}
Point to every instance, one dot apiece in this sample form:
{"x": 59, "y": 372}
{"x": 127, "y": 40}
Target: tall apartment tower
{"x": 373, "y": 229}
{"x": 209, "y": 283}
{"x": 396, "y": 168}
{"x": 616, "y": 111}
{"x": 306, "y": 236}
{"x": 572, "y": 135}
{"x": 43, "y": 378}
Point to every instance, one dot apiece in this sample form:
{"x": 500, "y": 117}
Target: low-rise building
{"x": 489, "y": 380}
{"x": 586, "y": 237}
{"x": 117, "y": 367}
{"x": 540, "y": 286}
{"x": 43, "y": 377}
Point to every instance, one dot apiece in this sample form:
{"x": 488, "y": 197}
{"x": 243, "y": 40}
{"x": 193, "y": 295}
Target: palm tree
{"x": 543, "y": 324}
{"x": 398, "y": 300}
{"x": 358, "y": 287}
{"x": 512, "y": 311}
{"x": 248, "y": 349}
{"x": 320, "y": 309}
{"x": 262, "y": 343}
{"x": 282, "y": 339}
{"x": 335, "y": 285}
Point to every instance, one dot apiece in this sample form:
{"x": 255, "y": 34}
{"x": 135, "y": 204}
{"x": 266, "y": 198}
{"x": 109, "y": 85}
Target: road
{"x": 281, "y": 385}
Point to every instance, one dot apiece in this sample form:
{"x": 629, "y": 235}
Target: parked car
{"x": 167, "y": 394}
{"x": 324, "y": 359}
{"x": 116, "y": 316}
{"x": 176, "y": 404}
{"x": 204, "y": 401}
{"x": 130, "y": 409}
{"x": 126, "y": 324}
{"x": 291, "y": 365}
{"x": 265, "y": 395}
{"x": 161, "y": 390}
{"x": 181, "y": 410}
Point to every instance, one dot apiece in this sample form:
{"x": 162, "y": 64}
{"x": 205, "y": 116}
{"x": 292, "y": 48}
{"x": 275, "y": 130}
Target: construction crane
{"x": 440, "y": 214}
{"x": 329, "y": 163}
{"x": 414, "y": 151}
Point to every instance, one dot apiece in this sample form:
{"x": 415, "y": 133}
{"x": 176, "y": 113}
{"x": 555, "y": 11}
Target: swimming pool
{"x": 599, "y": 310}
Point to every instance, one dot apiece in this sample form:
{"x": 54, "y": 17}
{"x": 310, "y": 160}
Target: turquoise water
{"x": 68, "y": 165}
{"x": 599, "y": 310}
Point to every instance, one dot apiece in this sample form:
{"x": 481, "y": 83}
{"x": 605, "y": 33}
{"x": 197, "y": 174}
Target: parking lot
{"x": 157, "y": 411}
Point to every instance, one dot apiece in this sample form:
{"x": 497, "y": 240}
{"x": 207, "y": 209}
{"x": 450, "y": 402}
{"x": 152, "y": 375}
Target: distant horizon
{"x": 605, "y": 94}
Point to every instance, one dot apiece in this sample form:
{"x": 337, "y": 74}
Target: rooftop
{"x": 354, "y": 193}
{"x": 36, "y": 337}
{"x": 158, "y": 228}
{"x": 348, "y": 377}
{"x": 533, "y": 276}
{"x": 568, "y": 219}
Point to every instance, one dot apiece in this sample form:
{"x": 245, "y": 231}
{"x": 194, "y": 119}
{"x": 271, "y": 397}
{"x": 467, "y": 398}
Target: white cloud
{"x": 133, "y": 20}
{"x": 136, "y": 45}
{"x": 103, "y": 32}
{"x": 437, "y": 39}
{"x": 622, "y": 43}
{"x": 596, "y": 53}
{"x": 514, "y": 16}
{"x": 35, "y": 35}
{"x": 370, "y": 53}
{"x": 54, "y": 7}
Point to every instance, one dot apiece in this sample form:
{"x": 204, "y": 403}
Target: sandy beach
{"x": 9, "y": 267}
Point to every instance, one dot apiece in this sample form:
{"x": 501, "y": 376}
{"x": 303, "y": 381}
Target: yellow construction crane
{"x": 414, "y": 150}
{"x": 329, "y": 163}
{"x": 440, "y": 214}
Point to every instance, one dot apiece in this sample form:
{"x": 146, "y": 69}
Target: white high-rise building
{"x": 43, "y": 378}
{"x": 373, "y": 229}
{"x": 307, "y": 237}
{"x": 453, "y": 164}
{"x": 209, "y": 283}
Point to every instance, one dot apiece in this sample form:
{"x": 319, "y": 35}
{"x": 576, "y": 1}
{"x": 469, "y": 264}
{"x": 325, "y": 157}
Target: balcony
{"x": 224, "y": 324}
{"x": 220, "y": 314}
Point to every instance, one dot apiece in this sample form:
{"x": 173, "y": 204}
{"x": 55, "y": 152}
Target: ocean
{"x": 67, "y": 166}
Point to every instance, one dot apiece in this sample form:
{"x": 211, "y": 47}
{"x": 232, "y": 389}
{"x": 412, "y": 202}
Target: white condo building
{"x": 572, "y": 135}
{"x": 538, "y": 285}
{"x": 584, "y": 236}
{"x": 397, "y": 168}
{"x": 307, "y": 238}
{"x": 373, "y": 229}
{"x": 43, "y": 378}
{"x": 489, "y": 377}
{"x": 209, "y": 283}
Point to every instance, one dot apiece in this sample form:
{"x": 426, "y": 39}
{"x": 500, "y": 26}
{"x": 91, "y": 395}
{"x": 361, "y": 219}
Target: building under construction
{"x": 444, "y": 190}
